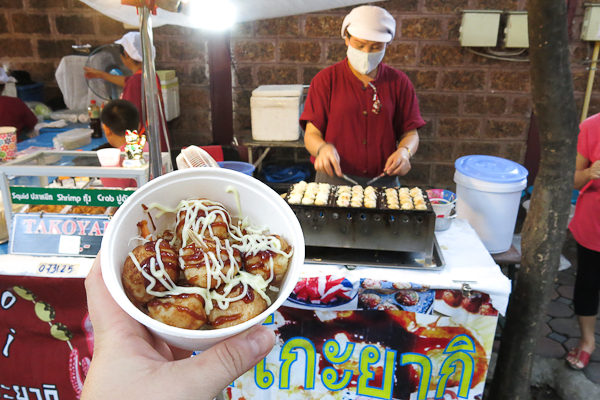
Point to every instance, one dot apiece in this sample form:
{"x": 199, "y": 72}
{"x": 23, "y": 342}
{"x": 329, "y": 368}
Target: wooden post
{"x": 546, "y": 223}
{"x": 221, "y": 105}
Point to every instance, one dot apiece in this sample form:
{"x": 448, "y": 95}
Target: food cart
{"x": 407, "y": 314}
{"x": 345, "y": 332}
{"x": 416, "y": 329}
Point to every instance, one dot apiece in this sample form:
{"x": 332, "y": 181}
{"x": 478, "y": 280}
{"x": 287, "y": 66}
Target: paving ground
{"x": 560, "y": 332}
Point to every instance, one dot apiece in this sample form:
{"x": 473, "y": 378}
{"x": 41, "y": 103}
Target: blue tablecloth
{"x": 47, "y": 134}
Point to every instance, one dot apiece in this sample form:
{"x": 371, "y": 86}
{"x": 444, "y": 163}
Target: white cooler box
{"x": 170, "y": 92}
{"x": 275, "y": 112}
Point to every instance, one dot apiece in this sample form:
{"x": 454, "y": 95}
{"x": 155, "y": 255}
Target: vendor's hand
{"x": 594, "y": 172}
{"x": 398, "y": 163}
{"x": 91, "y": 73}
{"x": 328, "y": 161}
{"x": 130, "y": 363}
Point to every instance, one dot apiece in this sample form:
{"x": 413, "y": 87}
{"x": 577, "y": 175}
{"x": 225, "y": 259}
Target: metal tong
{"x": 377, "y": 178}
{"x": 352, "y": 181}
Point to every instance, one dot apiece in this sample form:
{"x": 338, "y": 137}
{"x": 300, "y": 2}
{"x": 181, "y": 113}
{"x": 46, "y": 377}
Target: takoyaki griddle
{"x": 377, "y": 228}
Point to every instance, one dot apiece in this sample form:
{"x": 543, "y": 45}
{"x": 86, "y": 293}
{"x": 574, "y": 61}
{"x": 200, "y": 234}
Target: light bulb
{"x": 210, "y": 14}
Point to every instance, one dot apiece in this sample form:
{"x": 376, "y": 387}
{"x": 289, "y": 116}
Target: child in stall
{"x": 118, "y": 117}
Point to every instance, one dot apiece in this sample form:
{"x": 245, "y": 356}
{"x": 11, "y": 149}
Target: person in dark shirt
{"x": 14, "y": 112}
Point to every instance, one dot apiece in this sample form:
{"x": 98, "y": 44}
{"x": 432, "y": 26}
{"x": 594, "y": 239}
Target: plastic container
{"x": 33, "y": 92}
{"x": 109, "y": 157}
{"x": 75, "y": 138}
{"x": 212, "y": 183}
{"x": 488, "y": 193}
{"x": 275, "y": 111}
{"x": 8, "y": 142}
{"x": 239, "y": 166}
{"x": 170, "y": 93}
{"x": 166, "y": 74}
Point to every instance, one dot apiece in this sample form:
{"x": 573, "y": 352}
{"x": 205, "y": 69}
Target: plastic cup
{"x": 109, "y": 157}
{"x": 211, "y": 183}
{"x": 442, "y": 208}
{"x": 8, "y": 142}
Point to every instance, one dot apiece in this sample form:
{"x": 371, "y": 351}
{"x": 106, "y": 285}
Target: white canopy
{"x": 246, "y": 10}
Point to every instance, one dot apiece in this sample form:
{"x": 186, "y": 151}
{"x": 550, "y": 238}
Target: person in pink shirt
{"x": 585, "y": 227}
{"x": 118, "y": 117}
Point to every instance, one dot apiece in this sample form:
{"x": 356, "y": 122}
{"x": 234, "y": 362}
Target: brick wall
{"x": 472, "y": 104}
{"x": 36, "y": 34}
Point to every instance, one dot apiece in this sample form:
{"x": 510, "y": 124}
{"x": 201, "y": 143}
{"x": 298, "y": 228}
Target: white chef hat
{"x": 3, "y": 76}
{"x": 132, "y": 43}
{"x": 370, "y": 23}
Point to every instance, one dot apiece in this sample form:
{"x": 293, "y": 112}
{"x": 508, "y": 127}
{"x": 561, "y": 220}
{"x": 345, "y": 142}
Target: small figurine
{"x": 134, "y": 149}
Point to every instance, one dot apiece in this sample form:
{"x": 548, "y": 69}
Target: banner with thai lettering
{"x": 66, "y": 196}
{"x": 343, "y": 338}
{"x": 45, "y": 336}
{"x": 57, "y": 234}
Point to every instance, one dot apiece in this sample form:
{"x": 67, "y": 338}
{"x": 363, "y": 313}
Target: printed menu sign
{"x": 57, "y": 234}
{"x": 340, "y": 337}
{"x": 62, "y": 196}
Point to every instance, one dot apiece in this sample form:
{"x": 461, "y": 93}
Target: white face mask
{"x": 364, "y": 62}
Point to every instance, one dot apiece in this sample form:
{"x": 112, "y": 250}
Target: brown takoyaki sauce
{"x": 180, "y": 308}
{"x": 263, "y": 264}
{"x": 225, "y": 318}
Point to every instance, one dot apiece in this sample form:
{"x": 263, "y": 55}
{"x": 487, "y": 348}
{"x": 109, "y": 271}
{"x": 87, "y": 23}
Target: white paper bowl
{"x": 260, "y": 203}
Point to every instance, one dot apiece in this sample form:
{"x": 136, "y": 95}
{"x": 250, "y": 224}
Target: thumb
{"x": 228, "y": 360}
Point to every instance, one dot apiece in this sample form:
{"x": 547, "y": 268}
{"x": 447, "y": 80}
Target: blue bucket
{"x": 239, "y": 166}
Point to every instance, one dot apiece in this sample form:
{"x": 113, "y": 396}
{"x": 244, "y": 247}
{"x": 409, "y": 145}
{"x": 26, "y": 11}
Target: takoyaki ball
{"x": 388, "y": 307}
{"x": 472, "y": 304}
{"x": 371, "y": 284}
{"x": 218, "y": 228}
{"x": 487, "y": 308}
{"x": 251, "y": 305}
{"x": 170, "y": 237}
{"x": 452, "y": 297}
{"x": 369, "y": 300}
{"x": 194, "y": 264}
{"x": 182, "y": 311}
{"x": 259, "y": 264}
{"x": 407, "y": 298}
{"x": 135, "y": 283}
{"x": 402, "y": 285}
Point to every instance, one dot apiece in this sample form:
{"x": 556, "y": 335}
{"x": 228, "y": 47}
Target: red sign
{"x": 45, "y": 336}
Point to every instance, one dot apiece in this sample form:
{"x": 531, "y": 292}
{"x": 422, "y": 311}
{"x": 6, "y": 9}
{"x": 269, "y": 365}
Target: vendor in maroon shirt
{"x": 131, "y": 55}
{"x": 14, "y": 112}
{"x": 361, "y": 116}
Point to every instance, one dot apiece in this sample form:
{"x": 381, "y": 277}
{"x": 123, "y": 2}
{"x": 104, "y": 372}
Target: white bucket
{"x": 490, "y": 207}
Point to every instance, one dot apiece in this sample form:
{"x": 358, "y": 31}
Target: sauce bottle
{"x": 95, "y": 124}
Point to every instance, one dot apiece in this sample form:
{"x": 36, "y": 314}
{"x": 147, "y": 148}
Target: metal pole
{"x": 150, "y": 95}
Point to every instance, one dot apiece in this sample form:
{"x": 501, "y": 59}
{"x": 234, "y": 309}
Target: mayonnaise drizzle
{"x": 231, "y": 189}
{"x": 254, "y": 240}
